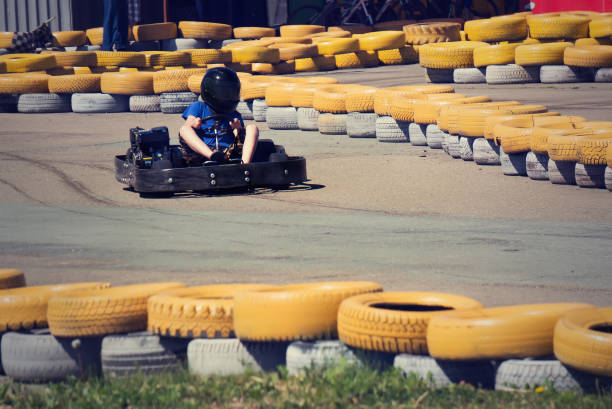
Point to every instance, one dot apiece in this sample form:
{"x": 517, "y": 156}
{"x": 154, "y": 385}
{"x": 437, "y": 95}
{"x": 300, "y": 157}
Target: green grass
{"x": 340, "y": 387}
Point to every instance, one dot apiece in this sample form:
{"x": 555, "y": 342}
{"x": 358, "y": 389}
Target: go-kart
{"x": 152, "y": 165}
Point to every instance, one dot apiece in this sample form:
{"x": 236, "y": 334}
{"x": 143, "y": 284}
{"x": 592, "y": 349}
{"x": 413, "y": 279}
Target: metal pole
{"x": 165, "y": 11}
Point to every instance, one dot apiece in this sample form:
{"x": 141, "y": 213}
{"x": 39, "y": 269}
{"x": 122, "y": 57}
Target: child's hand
{"x": 235, "y": 124}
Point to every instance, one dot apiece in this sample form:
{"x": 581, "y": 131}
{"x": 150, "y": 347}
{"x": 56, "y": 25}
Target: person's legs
{"x": 121, "y": 41}
{"x": 201, "y": 9}
{"x": 250, "y": 143}
{"x": 110, "y": 14}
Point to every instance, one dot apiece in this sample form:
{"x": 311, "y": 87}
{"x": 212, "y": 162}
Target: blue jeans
{"x": 115, "y": 25}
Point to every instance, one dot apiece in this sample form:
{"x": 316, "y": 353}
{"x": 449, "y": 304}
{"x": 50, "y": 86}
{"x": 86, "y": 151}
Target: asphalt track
{"x": 407, "y": 217}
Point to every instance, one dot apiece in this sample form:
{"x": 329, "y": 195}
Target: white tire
{"x": 528, "y": 374}
{"x": 361, "y": 124}
{"x": 281, "y": 118}
{"x": 445, "y": 143}
{"x": 230, "y": 41}
{"x": 438, "y": 373}
{"x": 453, "y": 146}
{"x": 138, "y": 46}
{"x": 608, "y": 178}
{"x": 466, "y": 148}
{"x": 416, "y": 133}
{"x": 537, "y": 166}
{"x": 259, "y": 110}
{"x": 316, "y": 354}
{"x": 87, "y": 47}
{"x": 469, "y": 76}
{"x": 233, "y": 357}
{"x": 245, "y": 109}
{"x": 513, "y": 164}
{"x": 561, "y": 173}
{"x": 176, "y": 102}
{"x": 43, "y": 103}
{"x": 486, "y": 152}
{"x": 434, "y": 136}
{"x": 391, "y": 130}
{"x": 145, "y": 103}
{"x": 332, "y": 124}
{"x": 512, "y": 74}
{"x": 38, "y": 356}
{"x": 556, "y": 74}
{"x": 141, "y": 352}
{"x": 439, "y": 75}
{"x": 603, "y": 74}
{"x": 307, "y": 119}
{"x": 591, "y": 176}
{"x": 175, "y": 44}
{"x": 99, "y": 103}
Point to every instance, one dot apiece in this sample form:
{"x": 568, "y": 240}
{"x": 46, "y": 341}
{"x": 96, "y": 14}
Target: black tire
{"x": 38, "y": 356}
{"x": 142, "y": 352}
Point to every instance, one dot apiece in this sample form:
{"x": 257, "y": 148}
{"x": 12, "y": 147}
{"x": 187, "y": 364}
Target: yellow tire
{"x": 318, "y": 63}
{"x": 297, "y": 30}
{"x": 330, "y": 34}
{"x": 279, "y": 94}
{"x": 196, "y": 312}
{"x": 491, "y": 121}
{"x": 564, "y": 147}
{"x": 357, "y": 59}
{"x": 332, "y": 46}
{"x": 268, "y": 41}
{"x": 27, "y": 62}
{"x": 156, "y": 31}
{"x": 95, "y": 35}
{"x": 557, "y": 27}
{"x": 69, "y": 38}
{"x": 395, "y": 322}
{"x": 103, "y": 311}
{"x": 515, "y": 134}
{"x": 381, "y": 40}
{"x": 121, "y": 59}
{"x": 297, "y": 311}
{"x": 209, "y": 31}
{"x": 302, "y": 95}
{"x": 609, "y": 156}
{"x": 11, "y": 278}
{"x": 280, "y": 68}
{"x": 6, "y": 39}
{"x": 425, "y": 33}
{"x": 255, "y": 54}
{"x": 289, "y": 51}
{"x": 544, "y": 127}
{"x": 330, "y": 100}
{"x": 601, "y": 27}
{"x": 24, "y": 83}
{"x": 26, "y": 307}
{"x": 253, "y": 32}
{"x": 70, "y": 84}
{"x": 173, "y": 80}
{"x": 427, "y": 111}
{"x": 472, "y": 120}
{"x": 127, "y": 83}
{"x": 518, "y": 331}
{"x": 402, "y": 55}
{"x": 589, "y": 56}
{"x": 449, "y": 55}
{"x": 73, "y": 58}
{"x": 499, "y": 54}
{"x": 504, "y": 28}
{"x": 583, "y": 340}
{"x": 194, "y": 83}
{"x": 361, "y": 100}
{"x": 384, "y": 97}
{"x": 541, "y": 54}
{"x": 402, "y": 108}
{"x": 255, "y": 89}
{"x": 593, "y": 149}
{"x": 166, "y": 58}
{"x": 209, "y": 56}
{"x": 450, "y": 115}
{"x": 581, "y": 42}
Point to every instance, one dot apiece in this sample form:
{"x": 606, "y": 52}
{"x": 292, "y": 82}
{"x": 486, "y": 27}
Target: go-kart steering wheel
{"x": 217, "y": 117}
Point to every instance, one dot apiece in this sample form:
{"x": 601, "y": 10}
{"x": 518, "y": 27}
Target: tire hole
{"x": 410, "y": 307}
{"x": 607, "y": 328}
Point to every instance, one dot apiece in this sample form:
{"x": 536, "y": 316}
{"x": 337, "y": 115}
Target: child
{"x": 220, "y": 91}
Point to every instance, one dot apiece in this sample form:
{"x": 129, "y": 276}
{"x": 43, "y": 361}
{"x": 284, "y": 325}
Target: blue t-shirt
{"x": 201, "y": 110}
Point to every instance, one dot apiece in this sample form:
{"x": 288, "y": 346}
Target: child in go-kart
{"x": 220, "y": 91}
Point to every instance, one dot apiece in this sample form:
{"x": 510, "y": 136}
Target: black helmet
{"x": 220, "y": 89}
